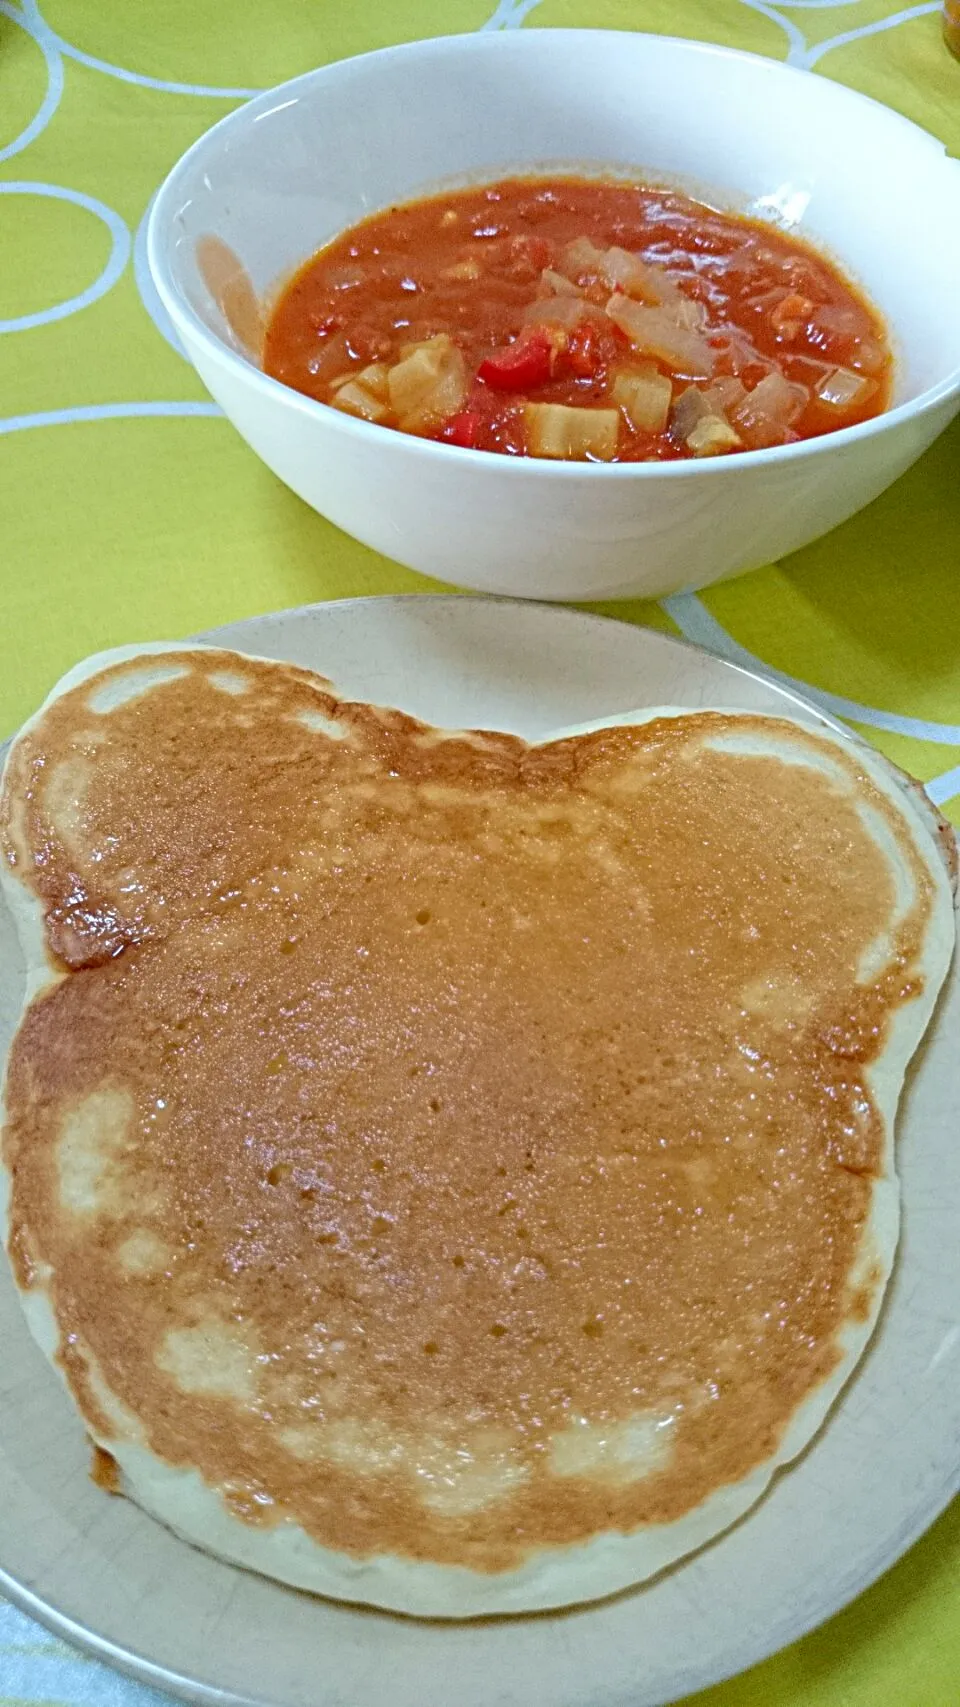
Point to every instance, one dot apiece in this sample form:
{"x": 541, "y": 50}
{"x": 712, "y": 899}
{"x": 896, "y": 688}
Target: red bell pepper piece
{"x": 462, "y": 429}
{"x": 520, "y": 366}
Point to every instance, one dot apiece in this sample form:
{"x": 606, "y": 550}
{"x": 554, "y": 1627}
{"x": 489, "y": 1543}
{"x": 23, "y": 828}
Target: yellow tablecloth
{"x": 129, "y": 510}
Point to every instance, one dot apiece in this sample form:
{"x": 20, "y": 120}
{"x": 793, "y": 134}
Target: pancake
{"x": 451, "y": 1173}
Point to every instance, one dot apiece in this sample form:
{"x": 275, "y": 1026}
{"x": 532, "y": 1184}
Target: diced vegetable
{"x": 686, "y": 311}
{"x": 555, "y": 430}
{"x": 790, "y": 315}
{"x": 354, "y": 399}
{"x": 429, "y": 384}
{"x": 554, "y": 284}
{"x": 764, "y": 416}
{"x": 869, "y": 356}
{"x": 582, "y": 256}
{"x": 735, "y": 351}
{"x": 697, "y": 421}
{"x": 519, "y": 366}
{"x": 562, "y": 311}
{"x": 843, "y": 389}
{"x": 713, "y": 436}
{"x": 331, "y": 356}
{"x": 622, "y": 271}
{"x": 626, "y": 272}
{"x": 462, "y": 430}
{"x": 643, "y": 393}
{"x": 725, "y": 393}
{"x": 653, "y": 332}
{"x": 690, "y": 408}
{"x": 373, "y": 379}
{"x": 779, "y": 399}
{"x": 834, "y": 328}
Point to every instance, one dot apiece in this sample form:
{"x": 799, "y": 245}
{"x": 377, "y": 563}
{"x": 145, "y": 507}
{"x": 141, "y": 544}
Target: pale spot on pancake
{"x": 701, "y": 1172}
{"x": 143, "y": 1253}
{"x": 18, "y": 847}
{"x": 229, "y": 681}
{"x": 445, "y": 794}
{"x": 65, "y": 796}
{"x": 778, "y": 998}
{"x": 875, "y": 957}
{"x": 607, "y": 860}
{"x": 365, "y": 1447}
{"x": 544, "y": 853}
{"x": 95, "y": 1136}
{"x": 623, "y": 785}
{"x": 613, "y": 1451}
{"x": 212, "y": 1358}
{"x": 122, "y": 1420}
{"x": 458, "y": 1477}
{"x": 126, "y": 685}
{"x": 320, "y": 724}
{"x": 303, "y": 1441}
{"x": 453, "y": 1476}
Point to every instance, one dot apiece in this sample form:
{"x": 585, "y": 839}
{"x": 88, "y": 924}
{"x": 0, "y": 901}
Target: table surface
{"x": 129, "y": 510}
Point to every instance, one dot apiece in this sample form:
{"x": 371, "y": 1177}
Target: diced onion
{"x": 582, "y": 256}
{"x": 429, "y": 384}
{"x": 843, "y": 389}
{"x": 354, "y": 399}
{"x": 554, "y": 284}
{"x": 655, "y": 333}
{"x": 331, "y": 357}
{"x": 712, "y": 436}
{"x": 374, "y": 379}
{"x": 870, "y": 355}
{"x": 725, "y": 393}
{"x": 763, "y": 416}
{"x": 557, "y": 431}
{"x": 779, "y": 399}
{"x": 565, "y": 311}
{"x": 626, "y": 272}
{"x": 644, "y": 395}
{"x": 839, "y": 317}
{"x": 739, "y": 353}
{"x": 690, "y": 408}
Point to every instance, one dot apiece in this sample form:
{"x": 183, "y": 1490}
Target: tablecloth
{"x": 130, "y": 510}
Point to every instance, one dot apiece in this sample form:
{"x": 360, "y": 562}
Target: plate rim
{"x": 125, "y": 1658}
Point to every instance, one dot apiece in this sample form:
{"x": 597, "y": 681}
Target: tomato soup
{"x": 580, "y": 319}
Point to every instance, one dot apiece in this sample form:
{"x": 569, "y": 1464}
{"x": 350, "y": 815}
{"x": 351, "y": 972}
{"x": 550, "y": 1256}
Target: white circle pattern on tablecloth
{"x": 119, "y": 254}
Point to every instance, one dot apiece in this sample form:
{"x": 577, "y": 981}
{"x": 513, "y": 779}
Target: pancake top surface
{"x": 455, "y": 1145}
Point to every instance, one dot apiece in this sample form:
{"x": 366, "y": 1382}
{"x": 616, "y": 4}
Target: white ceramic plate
{"x": 100, "y": 1573}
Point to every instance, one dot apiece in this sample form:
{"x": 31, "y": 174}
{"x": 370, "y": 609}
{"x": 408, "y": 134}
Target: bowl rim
{"x": 191, "y": 326}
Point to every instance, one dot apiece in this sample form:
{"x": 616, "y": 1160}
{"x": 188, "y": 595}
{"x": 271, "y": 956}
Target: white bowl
{"x": 282, "y": 175}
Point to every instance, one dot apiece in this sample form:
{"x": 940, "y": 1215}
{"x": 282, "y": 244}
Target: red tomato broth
{"x": 470, "y": 264}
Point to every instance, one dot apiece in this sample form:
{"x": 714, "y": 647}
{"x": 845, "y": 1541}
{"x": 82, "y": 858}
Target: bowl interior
{"x": 282, "y": 175}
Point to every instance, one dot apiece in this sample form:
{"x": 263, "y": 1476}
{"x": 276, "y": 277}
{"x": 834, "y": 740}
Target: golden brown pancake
{"x": 450, "y": 1172}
